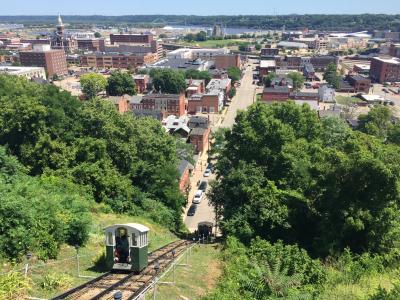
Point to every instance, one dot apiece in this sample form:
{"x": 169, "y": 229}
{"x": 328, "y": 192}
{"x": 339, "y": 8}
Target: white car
{"x": 198, "y": 197}
{"x": 207, "y": 173}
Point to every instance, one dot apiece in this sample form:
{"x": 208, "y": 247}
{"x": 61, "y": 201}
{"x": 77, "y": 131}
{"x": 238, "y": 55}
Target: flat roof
{"x": 267, "y": 63}
{"x": 388, "y": 60}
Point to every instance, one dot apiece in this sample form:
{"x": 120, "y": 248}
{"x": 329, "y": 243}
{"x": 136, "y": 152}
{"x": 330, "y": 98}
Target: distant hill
{"x": 322, "y": 22}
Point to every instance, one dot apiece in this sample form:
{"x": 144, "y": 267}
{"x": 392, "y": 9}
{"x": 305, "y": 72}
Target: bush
{"x": 14, "y": 285}
{"x": 55, "y": 281}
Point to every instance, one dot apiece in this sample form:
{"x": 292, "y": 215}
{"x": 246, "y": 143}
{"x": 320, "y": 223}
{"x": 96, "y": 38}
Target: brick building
{"x": 199, "y": 138}
{"x": 117, "y": 60}
{"x": 267, "y": 52}
{"x": 54, "y": 61}
{"x": 94, "y": 45}
{"x": 194, "y": 86}
{"x": 359, "y": 83}
{"x": 121, "y": 103}
{"x": 137, "y": 38}
{"x": 141, "y": 81}
{"x": 164, "y": 104}
{"x": 385, "y": 69}
{"x": 225, "y": 61}
{"x": 185, "y": 170}
{"x": 266, "y": 66}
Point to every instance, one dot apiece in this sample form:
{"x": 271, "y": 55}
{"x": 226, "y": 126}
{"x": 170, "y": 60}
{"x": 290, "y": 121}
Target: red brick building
{"x": 54, "y": 61}
{"x": 141, "y": 82}
{"x": 138, "y": 38}
{"x": 166, "y": 104}
{"x": 194, "y": 86}
{"x": 94, "y": 45}
{"x": 385, "y": 69}
{"x": 360, "y": 83}
{"x": 203, "y": 103}
{"x": 121, "y": 103}
{"x": 199, "y": 138}
{"x": 224, "y": 61}
{"x": 185, "y": 169}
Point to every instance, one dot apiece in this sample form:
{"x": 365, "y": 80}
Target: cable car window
{"x": 134, "y": 241}
{"x": 110, "y": 239}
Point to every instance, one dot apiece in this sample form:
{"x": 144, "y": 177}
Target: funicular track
{"x": 105, "y": 286}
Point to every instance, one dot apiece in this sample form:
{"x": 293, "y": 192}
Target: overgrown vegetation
{"x": 66, "y": 155}
{"x": 289, "y": 179}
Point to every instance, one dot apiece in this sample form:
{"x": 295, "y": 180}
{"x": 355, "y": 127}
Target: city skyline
{"x": 207, "y": 7}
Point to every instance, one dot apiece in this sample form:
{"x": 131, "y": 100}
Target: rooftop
{"x": 267, "y": 64}
{"x": 392, "y": 60}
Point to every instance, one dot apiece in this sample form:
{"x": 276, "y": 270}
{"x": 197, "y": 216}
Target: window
{"x": 109, "y": 239}
{"x": 134, "y": 240}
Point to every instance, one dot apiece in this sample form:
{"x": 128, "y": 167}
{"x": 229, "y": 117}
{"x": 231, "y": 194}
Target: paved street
{"x": 244, "y": 97}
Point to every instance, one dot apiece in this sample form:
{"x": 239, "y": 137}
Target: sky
{"x": 202, "y": 7}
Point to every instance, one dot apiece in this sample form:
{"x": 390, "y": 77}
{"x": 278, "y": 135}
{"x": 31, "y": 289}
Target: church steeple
{"x": 60, "y": 23}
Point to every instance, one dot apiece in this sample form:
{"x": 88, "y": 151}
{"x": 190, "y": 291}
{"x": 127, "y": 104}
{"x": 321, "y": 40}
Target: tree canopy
{"x": 120, "y": 83}
{"x": 285, "y": 174}
{"x": 168, "y": 81}
{"x": 92, "y": 84}
{"x": 234, "y": 73}
{"x": 121, "y": 160}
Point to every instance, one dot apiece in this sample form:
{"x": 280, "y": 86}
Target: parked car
{"x": 203, "y": 186}
{"x": 192, "y": 210}
{"x": 198, "y": 196}
{"x": 207, "y": 173}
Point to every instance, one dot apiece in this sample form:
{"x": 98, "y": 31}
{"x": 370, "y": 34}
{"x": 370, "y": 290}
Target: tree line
{"x": 316, "y": 21}
{"x": 312, "y": 188}
{"x": 125, "y": 163}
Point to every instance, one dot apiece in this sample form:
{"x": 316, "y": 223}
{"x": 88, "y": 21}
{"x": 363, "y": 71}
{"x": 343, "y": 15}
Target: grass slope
{"x": 55, "y": 276}
{"x": 193, "y": 281}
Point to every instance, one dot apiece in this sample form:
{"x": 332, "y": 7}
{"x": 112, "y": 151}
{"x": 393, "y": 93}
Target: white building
{"x": 28, "y": 72}
{"x": 203, "y": 53}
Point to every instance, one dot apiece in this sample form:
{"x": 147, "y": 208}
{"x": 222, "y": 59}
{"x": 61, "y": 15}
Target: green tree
{"x": 232, "y": 92}
{"x": 377, "y": 122}
{"x": 234, "y": 73}
{"x": 298, "y": 80}
{"x": 120, "y": 83}
{"x": 168, "y": 81}
{"x": 92, "y": 84}
{"x": 196, "y": 74}
{"x": 331, "y": 75}
{"x": 267, "y": 79}
{"x": 97, "y": 35}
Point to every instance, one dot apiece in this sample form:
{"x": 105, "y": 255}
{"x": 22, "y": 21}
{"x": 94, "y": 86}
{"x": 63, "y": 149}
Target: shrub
{"x": 14, "y": 285}
{"x": 55, "y": 281}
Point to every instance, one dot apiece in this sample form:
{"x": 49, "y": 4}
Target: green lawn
{"x": 59, "y": 275}
{"x": 347, "y": 100}
{"x": 214, "y": 43}
{"x": 195, "y": 280}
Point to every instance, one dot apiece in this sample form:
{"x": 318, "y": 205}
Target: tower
{"x": 57, "y": 41}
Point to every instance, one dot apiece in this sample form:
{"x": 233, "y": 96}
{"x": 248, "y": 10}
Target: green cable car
{"x": 127, "y": 247}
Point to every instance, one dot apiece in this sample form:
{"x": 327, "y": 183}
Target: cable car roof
{"x": 136, "y": 226}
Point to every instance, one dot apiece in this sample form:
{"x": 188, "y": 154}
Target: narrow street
{"x": 245, "y": 96}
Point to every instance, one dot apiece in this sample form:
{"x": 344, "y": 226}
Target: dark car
{"x": 192, "y": 210}
{"x": 203, "y": 186}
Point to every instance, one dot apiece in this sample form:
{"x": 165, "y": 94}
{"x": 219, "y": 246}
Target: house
{"x": 266, "y": 67}
{"x": 185, "y": 170}
{"x": 326, "y": 94}
{"x": 166, "y": 104}
{"x": 121, "y": 103}
{"x": 176, "y": 126}
{"x": 195, "y": 86}
{"x": 198, "y": 121}
{"x": 212, "y": 100}
{"x": 141, "y": 81}
{"x": 199, "y": 138}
